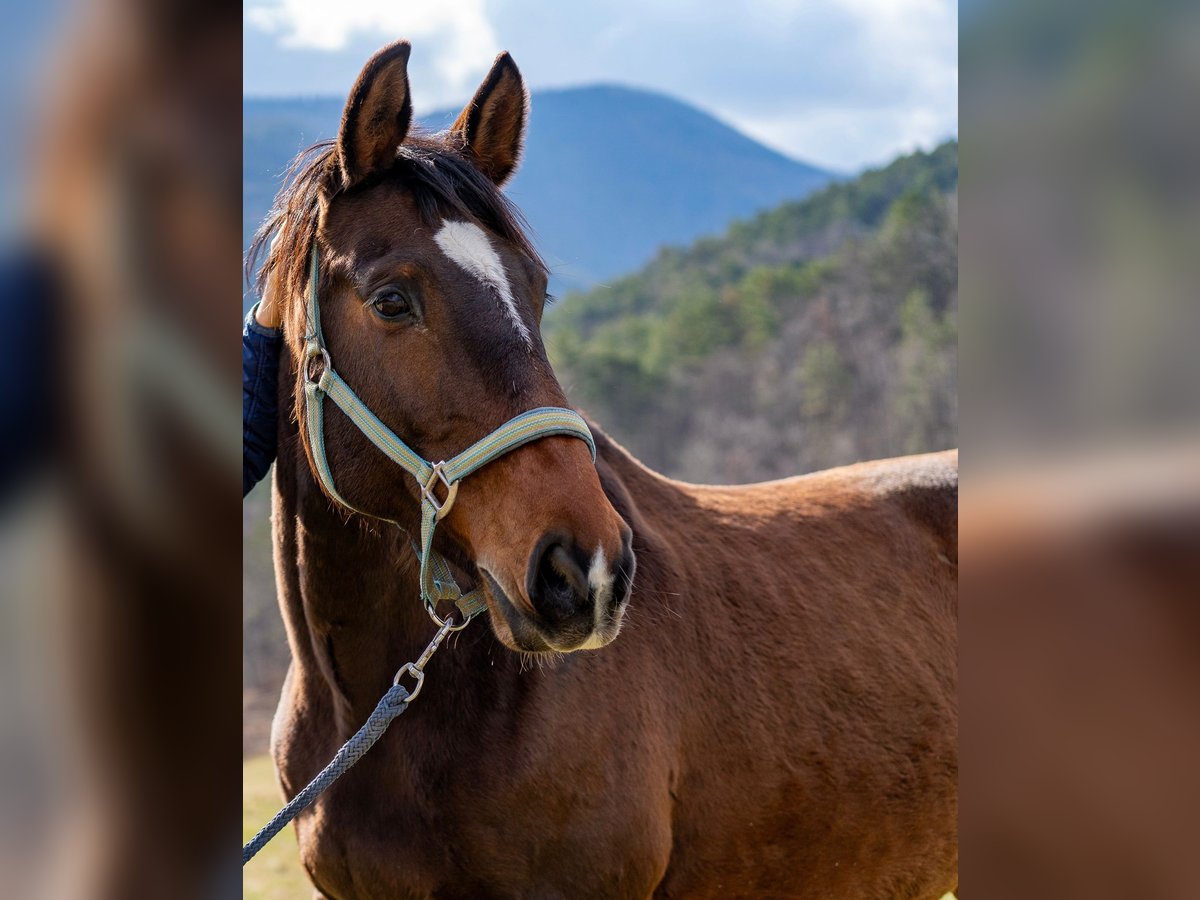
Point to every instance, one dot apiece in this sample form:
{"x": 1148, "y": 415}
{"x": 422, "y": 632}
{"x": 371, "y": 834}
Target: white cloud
{"x": 838, "y": 82}
{"x": 458, "y": 33}
{"x": 904, "y": 94}
{"x": 916, "y": 38}
{"x": 848, "y": 139}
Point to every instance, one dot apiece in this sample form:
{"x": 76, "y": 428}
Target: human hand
{"x": 268, "y": 315}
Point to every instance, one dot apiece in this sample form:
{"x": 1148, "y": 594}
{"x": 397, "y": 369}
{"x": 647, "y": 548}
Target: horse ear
{"x": 492, "y": 125}
{"x": 377, "y": 115}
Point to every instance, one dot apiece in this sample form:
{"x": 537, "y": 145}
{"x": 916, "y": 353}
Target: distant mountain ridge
{"x": 610, "y": 173}
{"x": 811, "y": 335}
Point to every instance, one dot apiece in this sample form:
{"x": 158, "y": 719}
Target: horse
{"x": 685, "y": 690}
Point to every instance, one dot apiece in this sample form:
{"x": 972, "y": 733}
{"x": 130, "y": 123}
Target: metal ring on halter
{"x": 411, "y": 669}
{"x": 311, "y": 351}
{"x": 440, "y": 508}
{"x": 448, "y": 622}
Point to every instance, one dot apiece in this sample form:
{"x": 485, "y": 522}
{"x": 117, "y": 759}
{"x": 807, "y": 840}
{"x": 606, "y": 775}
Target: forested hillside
{"x": 819, "y": 333}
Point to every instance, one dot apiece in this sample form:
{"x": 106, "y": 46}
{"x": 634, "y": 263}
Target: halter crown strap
{"x": 436, "y": 581}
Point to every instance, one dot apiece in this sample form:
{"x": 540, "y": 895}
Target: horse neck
{"x": 348, "y": 591}
{"x": 351, "y": 602}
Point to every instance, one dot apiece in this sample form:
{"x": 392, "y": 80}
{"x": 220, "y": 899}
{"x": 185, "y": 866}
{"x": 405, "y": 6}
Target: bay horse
{"x": 778, "y": 714}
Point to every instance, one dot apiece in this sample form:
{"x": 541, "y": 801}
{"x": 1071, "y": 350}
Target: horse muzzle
{"x": 571, "y": 600}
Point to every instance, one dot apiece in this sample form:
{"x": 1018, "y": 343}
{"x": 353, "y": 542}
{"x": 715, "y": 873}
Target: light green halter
{"x": 437, "y": 583}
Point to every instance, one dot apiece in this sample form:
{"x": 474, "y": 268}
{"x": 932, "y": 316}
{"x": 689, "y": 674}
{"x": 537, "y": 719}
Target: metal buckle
{"x": 441, "y": 508}
{"x": 411, "y": 669}
{"x": 416, "y": 670}
{"x": 311, "y": 351}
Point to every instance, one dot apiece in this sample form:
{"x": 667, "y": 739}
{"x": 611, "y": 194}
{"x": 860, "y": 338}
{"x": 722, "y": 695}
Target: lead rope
{"x": 436, "y": 581}
{"x": 390, "y": 706}
{"x": 393, "y": 703}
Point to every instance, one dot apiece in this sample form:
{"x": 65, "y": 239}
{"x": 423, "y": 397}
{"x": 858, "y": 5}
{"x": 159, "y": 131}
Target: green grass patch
{"x": 275, "y": 874}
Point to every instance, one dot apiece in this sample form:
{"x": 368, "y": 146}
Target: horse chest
{"x": 425, "y": 822}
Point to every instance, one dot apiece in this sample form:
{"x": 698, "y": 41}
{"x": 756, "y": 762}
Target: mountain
{"x": 273, "y": 132}
{"x": 811, "y": 335}
{"x": 610, "y": 173}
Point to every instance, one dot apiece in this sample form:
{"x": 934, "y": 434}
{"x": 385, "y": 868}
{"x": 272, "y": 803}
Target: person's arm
{"x": 261, "y": 341}
{"x": 29, "y": 397}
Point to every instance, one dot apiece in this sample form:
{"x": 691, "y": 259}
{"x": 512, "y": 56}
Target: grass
{"x": 275, "y": 873}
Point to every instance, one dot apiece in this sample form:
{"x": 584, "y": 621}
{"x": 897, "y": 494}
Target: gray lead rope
{"x": 393, "y": 703}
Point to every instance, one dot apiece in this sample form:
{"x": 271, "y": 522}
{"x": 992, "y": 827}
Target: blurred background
{"x": 1079, "y": 626}
{"x": 753, "y": 220}
{"x": 120, "y": 594}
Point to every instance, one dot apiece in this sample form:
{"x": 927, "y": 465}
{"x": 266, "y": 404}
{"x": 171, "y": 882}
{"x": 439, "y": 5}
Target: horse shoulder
{"x": 925, "y": 488}
{"x": 921, "y": 490}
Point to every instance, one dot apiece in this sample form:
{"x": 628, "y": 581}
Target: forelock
{"x": 444, "y": 184}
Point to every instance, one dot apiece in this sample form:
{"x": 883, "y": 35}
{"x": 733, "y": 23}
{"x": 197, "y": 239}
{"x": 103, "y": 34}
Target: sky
{"x": 840, "y": 83}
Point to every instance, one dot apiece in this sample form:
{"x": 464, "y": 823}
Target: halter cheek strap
{"x": 436, "y": 581}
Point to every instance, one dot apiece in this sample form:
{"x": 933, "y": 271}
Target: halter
{"x": 436, "y": 581}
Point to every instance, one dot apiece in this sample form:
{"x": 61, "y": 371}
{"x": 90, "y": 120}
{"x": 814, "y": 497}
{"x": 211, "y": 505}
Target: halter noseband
{"x": 436, "y": 581}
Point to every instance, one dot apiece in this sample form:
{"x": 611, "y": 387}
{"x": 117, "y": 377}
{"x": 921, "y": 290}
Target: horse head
{"x": 431, "y": 299}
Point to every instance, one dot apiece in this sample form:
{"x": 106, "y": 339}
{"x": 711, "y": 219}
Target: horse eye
{"x": 391, "y": 305}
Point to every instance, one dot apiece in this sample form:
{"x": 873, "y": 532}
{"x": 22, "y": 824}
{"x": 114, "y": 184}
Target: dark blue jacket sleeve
{"x": 260, "y": 399}
{"x": 28, "y": 394}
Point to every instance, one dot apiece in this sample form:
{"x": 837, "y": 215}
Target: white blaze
{"x": 469, "y": 248}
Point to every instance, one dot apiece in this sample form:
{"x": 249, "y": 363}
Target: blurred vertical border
{"x": 120, "y": 289}
{"x": 1079, "y": 397}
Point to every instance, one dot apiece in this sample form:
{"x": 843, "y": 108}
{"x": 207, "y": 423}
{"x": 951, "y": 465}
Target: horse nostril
{"x": 623, "y": 574}
{"x": 558, "y": 588}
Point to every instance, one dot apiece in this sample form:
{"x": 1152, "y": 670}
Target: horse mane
{"x": 444, "y": 182}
